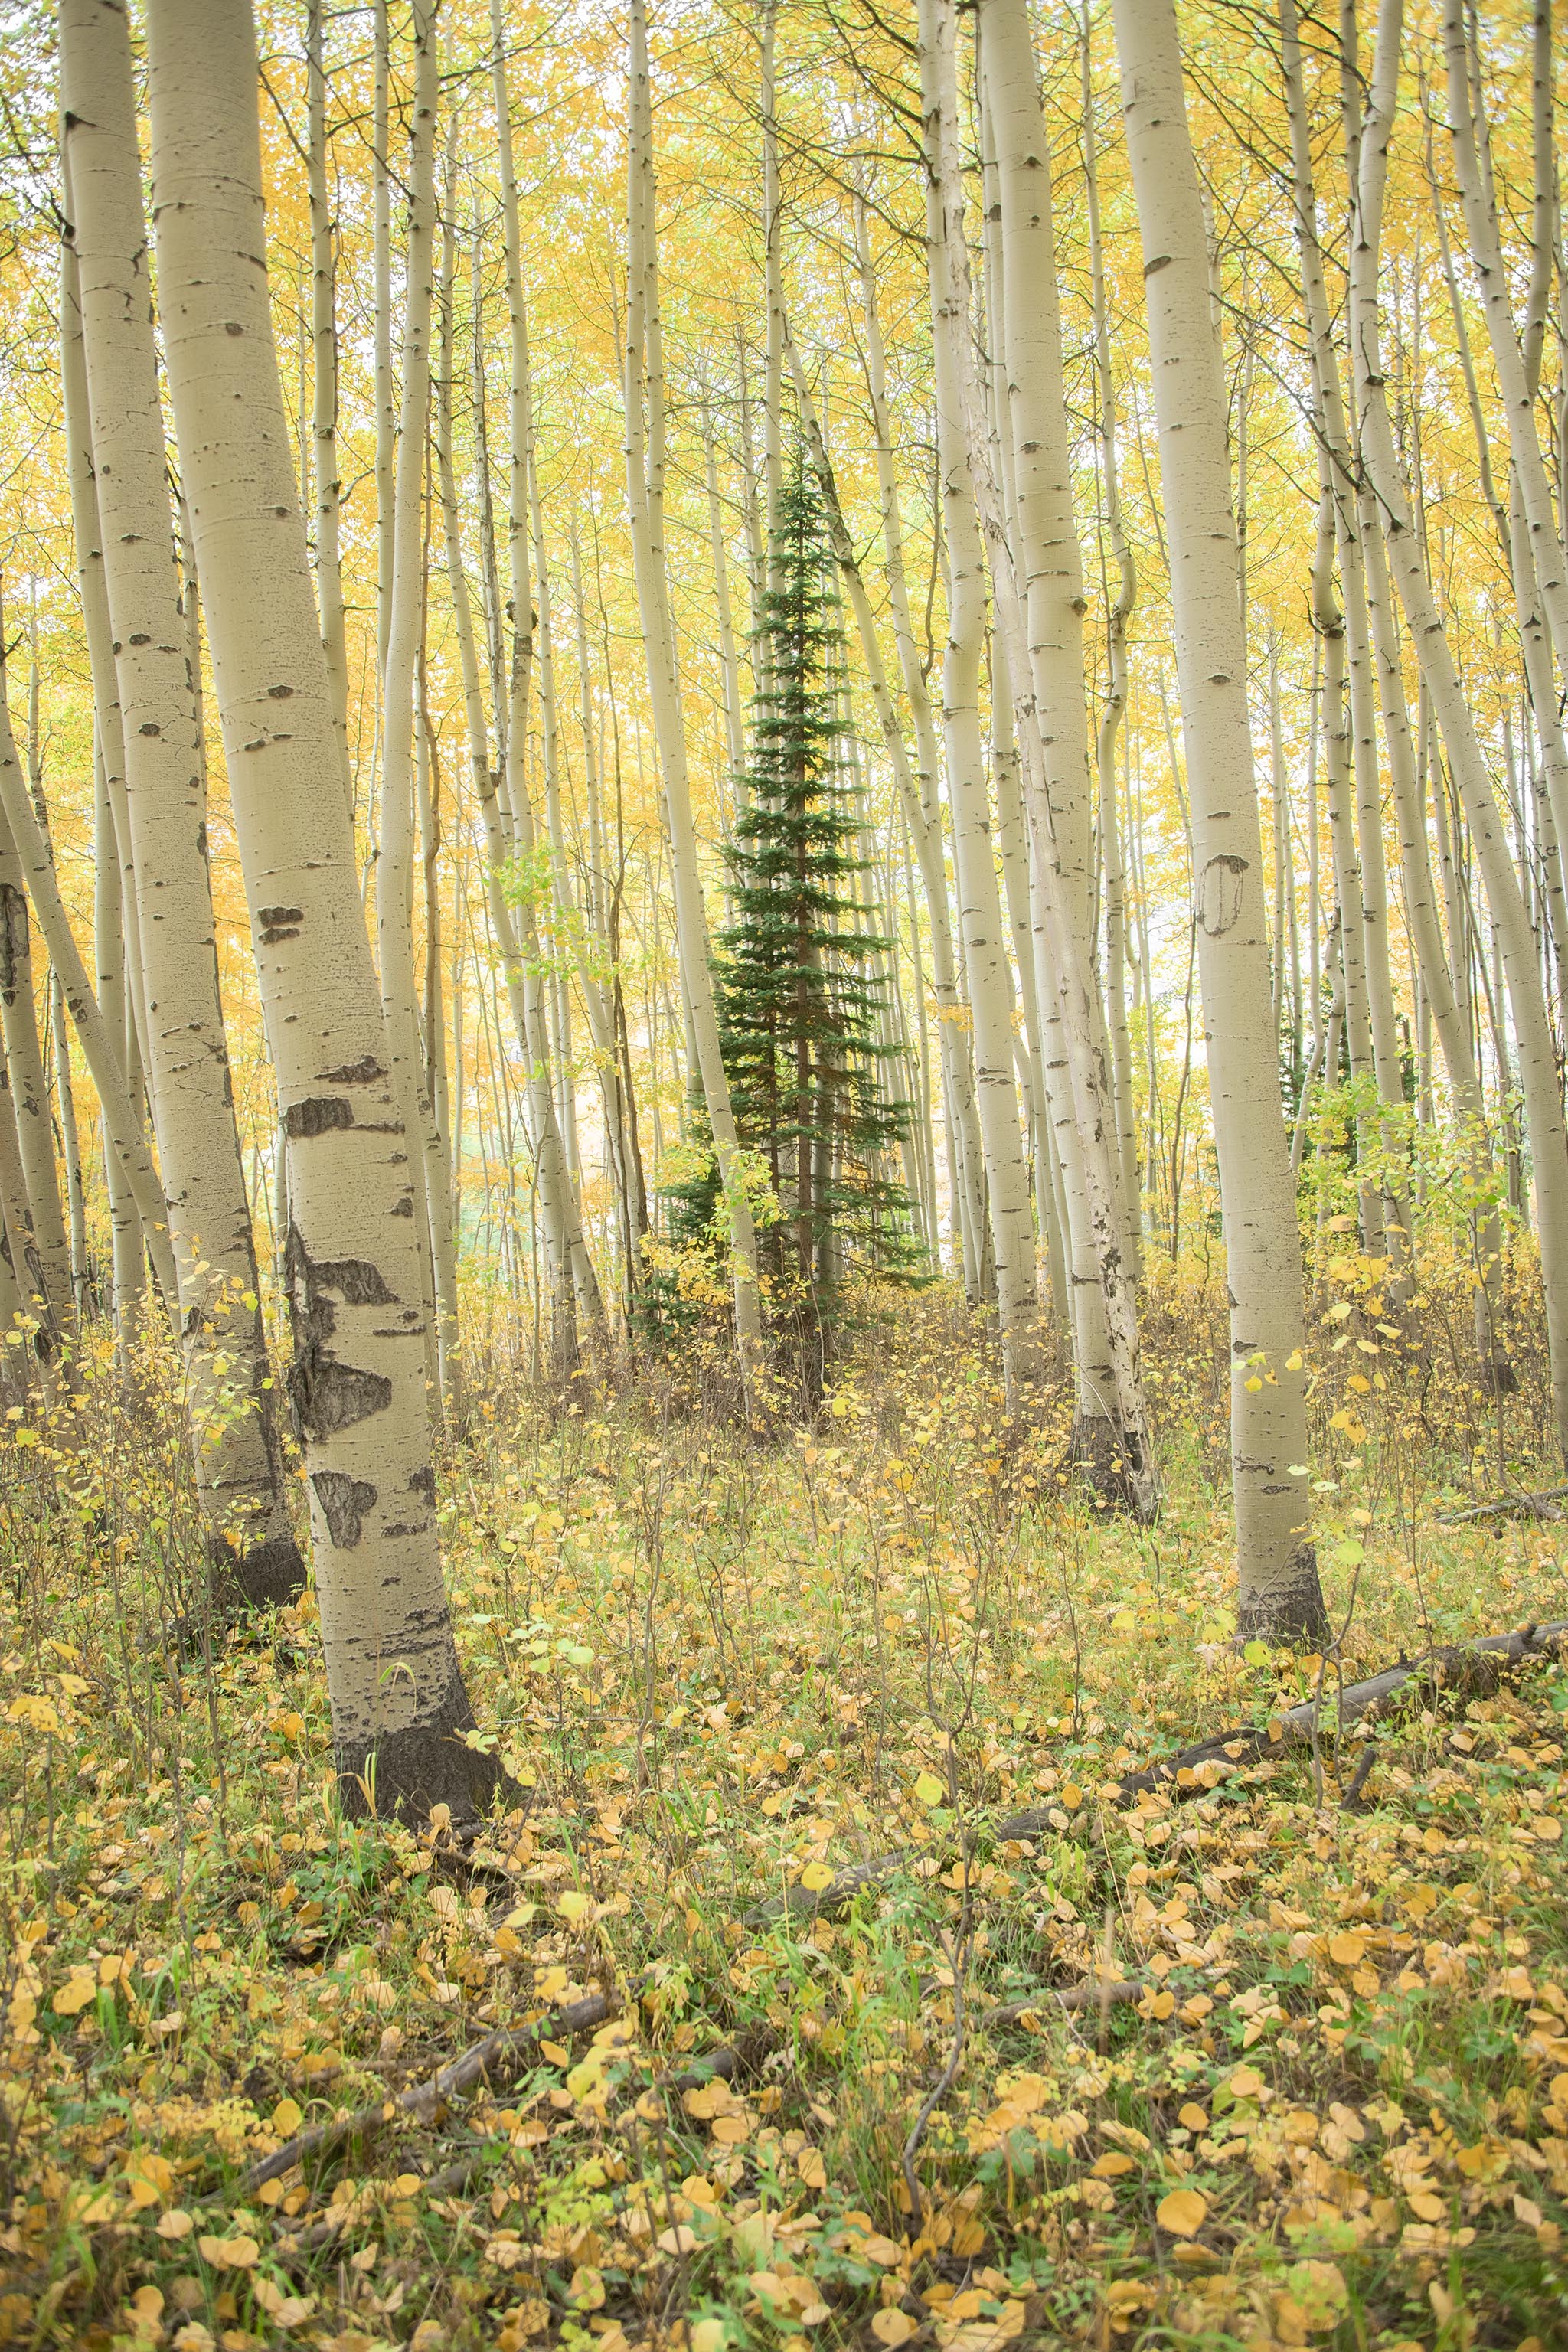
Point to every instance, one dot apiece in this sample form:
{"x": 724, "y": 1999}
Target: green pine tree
{"x": 800, "y": 995}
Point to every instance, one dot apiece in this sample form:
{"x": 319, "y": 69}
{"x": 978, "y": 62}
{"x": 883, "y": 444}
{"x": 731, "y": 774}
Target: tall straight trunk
{"x": 576, "y": 1298}
{"x": 923, "y": 807}
{"x": 429, "y": 1178}
{"x": 238, "y": 1467}
{"x": 644, "y": 470}
{"x": 1516, "y": 374}
{"x": 1050, "y": 672}
{"x": 1122, "y": 1459}
{"x": 1279, "y": 1592}
{"x": 979, "y": 898}
{"x": 400, "y": 1710}
{"x": 1113, "y": 716}
{"x": 1514, "y": 939}
{"x": 324, "y": 382}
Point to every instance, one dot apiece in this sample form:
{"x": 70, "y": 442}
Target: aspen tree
{"x": 979, "y": 898}
{"x": 1280, "y": 1592}
{"x": 229, "y": 1385}
{"x": 644, "y": 470}
{"x": 921, "y": 798}
{"x": 1514, "y": 940}
{"x": 400, "y": 1710}
{"x": 324, "y": 381}
{"x": 405, "y": 632}
{"x": 1044, "y": 535}
{"x": 1118, "y": 1439}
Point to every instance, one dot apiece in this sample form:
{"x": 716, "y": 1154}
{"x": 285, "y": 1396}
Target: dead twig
{"x": 1542, "y": 1505}
{"x": 1091, "y": 1995}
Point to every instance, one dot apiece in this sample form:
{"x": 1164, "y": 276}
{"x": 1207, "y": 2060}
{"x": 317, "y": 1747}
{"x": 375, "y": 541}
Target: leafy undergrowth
{"x": 1335, "y": 2111}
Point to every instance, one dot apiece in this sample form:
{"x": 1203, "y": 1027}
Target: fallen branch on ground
{"x": 1068, "y": 1997}
{"x": 1540, "y": 1505}
{"x": 1472, "y": 1665}
{"x": 495, "y": 2059}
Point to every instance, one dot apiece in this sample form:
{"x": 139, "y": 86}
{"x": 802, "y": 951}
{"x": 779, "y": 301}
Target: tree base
{"x": 265, "y": 1575}
{"x": 404, "y": 1775}
{"x": 1114, "y": 1466}
{"x": 1291, "y": 1611}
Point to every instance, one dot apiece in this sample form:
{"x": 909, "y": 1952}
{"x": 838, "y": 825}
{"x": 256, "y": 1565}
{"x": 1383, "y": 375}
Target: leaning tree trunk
{"x": 1280, "y": 1592}
{"x": 238, "y": 1467}
{"x": 24, "y": 1069}
{"x": 401, "y": 1714}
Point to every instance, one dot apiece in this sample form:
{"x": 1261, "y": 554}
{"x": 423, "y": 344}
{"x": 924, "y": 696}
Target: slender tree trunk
{"x": 324, "y": 382}
{"x": 400, "y": 1710}
{"x": 645, "y": 466}
{"x": 1280, "y": 1592}
{"x": 238, "y": 1467}
{"x": 70, "y": 1152}
{"x": 1515, "y": 940}
{"x": 30, "y": 1090}
{"x": 1121, "y": 1460}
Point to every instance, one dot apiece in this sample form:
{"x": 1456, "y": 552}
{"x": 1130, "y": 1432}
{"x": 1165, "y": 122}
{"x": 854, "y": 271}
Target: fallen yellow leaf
{"x": 1182, "y": 2213}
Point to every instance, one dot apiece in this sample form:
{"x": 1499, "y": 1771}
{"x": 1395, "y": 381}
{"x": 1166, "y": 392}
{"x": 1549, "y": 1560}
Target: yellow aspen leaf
{"x": 815, "y": 1876}
{"x": 74, "y": 1996}
{"x": 1193, "y": 2116}
{"x": 892, "y": 2326}
{"x": 1111, "y": 2165}
{"x": 1245, "y": 2083}
{"x": 287, "y": 2117}
{"x": 811, "y": 2168}
{"x": 1070, "y": 1796}
{"x": 175, "y": 2224}
{"x": 574, "y": 1905}
{"x": 1348, "y": 1950}
{"x": 930, "y": 1791}
{"x": 1182, "y": 2214}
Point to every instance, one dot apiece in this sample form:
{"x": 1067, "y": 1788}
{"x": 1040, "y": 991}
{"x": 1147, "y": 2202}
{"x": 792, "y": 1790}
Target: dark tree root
{"x": 1292, "y": 1610}
{"x": 1113, "y": 1466}
{"x": 1472, "y": 1668}
{"x": 406, "y": 1774}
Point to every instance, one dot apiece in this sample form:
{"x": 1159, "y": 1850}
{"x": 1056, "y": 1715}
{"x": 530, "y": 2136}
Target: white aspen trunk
{"x": 1514, "y": 373}
{"x": 324, "y": 383}
{"x": 979, "y": 898}
{"x": 1121, "y": 1461}
{"x": 575, "y": 1297}
{"x": 428, "y": 1172}
{"x": 400, "y": 1710}
{"x": 923, "y": 807}
{"x": 1514, "y": 940}
{"x": 238, "y": 1468}
{"x": 1279, "y": 1593}
{"x": 1043, "y": 541}
{"x": 127, "y": 1259}
{"x": 644, "y": 470}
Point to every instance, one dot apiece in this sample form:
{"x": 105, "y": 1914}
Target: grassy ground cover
{"x": 1334, "y": 2109}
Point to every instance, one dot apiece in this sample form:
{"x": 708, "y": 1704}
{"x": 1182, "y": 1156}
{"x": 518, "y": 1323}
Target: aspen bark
{"x": 1280, "y": 1592}
{"x": 1043, "y": 534}
{"x": 979, "y": 898}
{"x": 428, "y": 1171}
{"x": 1122, "y": 1461}
{"x": 238, "y": 1469}
{"x": 1514, "y": 940}
{"x": 324, "y": 383}
{"x": 400, "y": 1710}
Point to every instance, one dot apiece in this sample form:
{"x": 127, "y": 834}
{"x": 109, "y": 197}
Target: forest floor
{"x": 1333, "y": 2108}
